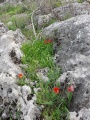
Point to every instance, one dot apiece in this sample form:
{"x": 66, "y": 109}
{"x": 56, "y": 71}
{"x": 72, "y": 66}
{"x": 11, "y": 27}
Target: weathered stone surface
{"x": 43, "y": 20}
{"x": 42, "y": 74}
{"x": 14, "y": 99}
{"x": 71, "y": 10}
{"x": 83, "y": 114}
{"x": 72, "y": 45}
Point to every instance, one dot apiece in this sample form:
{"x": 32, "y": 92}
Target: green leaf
{"x": 18, "y": 115}
{"x": 48, "y": 103}
{"x": 69, "y": 96}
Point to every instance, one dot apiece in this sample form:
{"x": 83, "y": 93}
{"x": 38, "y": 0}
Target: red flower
{"x": 20, "y": 75}
{"x": 70, "y": 89}
{"x": 47, "y": 41}
{"x": 56, "y": 90}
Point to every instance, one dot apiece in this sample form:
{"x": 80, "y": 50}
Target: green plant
{"x": 20, "y": 21}
{"x": 12, "y": 27}
{"x": 12, "y": 9}
{"x": 38, "y": 54}
{"x": 28, "y": 33}
{"x": 56, "y": 4}
{"x": 18, "y": 115}
{"x": 8, "y": 10}
{"x": 21, "y": 80}
{"x": 80, "y": 1}
{"x": 5, "y": 18}
{"x": 55, "y": 101}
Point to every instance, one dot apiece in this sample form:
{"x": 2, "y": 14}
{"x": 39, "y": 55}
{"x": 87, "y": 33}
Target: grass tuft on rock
{"x": 38, "y": 55}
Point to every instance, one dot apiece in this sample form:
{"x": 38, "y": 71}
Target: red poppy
{"x": 47, "y": 41}
{"x": 56, "y": 90}
{"x": 70, "y": 89}
{"x": 20, "y": 75}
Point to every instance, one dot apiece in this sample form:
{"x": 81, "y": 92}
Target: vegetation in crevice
{"x": 38, "y": 54}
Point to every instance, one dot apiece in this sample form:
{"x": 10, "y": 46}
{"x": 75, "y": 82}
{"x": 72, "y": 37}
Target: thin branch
{"x": 34, "y": 31}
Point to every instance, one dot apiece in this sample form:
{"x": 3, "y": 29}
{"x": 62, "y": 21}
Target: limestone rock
{"x": 14, "y": 99}
{"x": 43, "y": 20}
{"x": 82, "y": 114}
{"x": 71, "y": 39}
{"x": 70, "y": 10}
{"x": 42, "y": 74}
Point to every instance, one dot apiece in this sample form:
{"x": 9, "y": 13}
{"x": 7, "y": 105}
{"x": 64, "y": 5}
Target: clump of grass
{"x": 38, "y": 55}
{"x": 20, "y": 20}
{"x": 12, "y": 9}
{"x": 54, "y": 106}
{"x": 5, "y": 18}
{"x": 12, "y": 27}
{"x": 8, "y": 10}
{"x": 28, "y": 33}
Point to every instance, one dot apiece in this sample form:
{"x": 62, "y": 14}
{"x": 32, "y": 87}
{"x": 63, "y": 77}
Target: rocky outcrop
{"x": 72, "y": 52}
{"x": 42, "y": 21}
{"x": 16, "y": 102}
{"x": 70, "y": 10}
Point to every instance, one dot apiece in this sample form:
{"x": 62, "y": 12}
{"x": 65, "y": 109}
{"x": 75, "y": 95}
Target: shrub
{"x": 20, "y": 21}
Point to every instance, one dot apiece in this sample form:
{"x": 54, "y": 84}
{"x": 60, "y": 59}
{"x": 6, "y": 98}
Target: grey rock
{"x": 66, "y": 11}
{"x": 42, "y": 74}
{"x": 82, "y": 114}
{"x": 36, "y": 90}
{"x": 42, "y": 20}
{"x": 29, "y": 27}
{"x": 71, "y": 38}
{"x": 70, "y": 10}
{"x": 3, "y": 28}
{"x": 14, "y": 99}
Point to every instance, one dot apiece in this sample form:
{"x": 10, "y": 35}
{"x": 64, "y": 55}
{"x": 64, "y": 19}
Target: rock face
{"x": 72, "y": 48}
{"x": 14, "y": 100}
{"x": 43, "y": 20}
{"x": 71, "y": 10}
